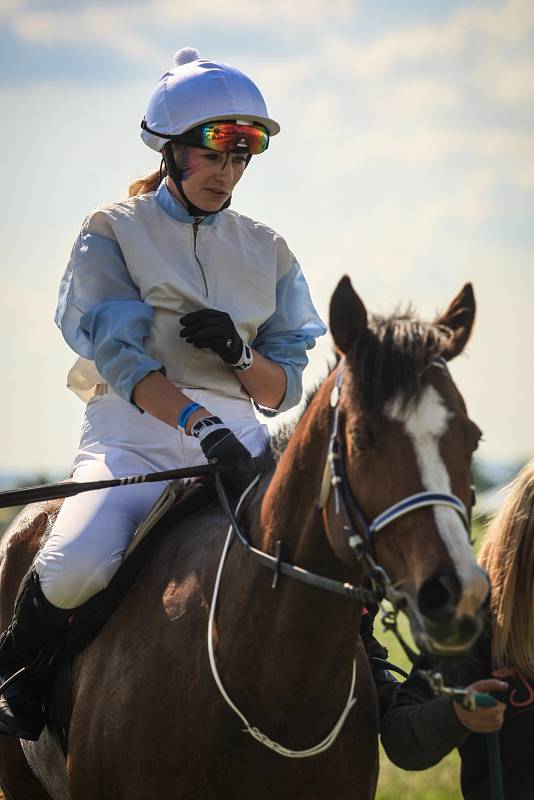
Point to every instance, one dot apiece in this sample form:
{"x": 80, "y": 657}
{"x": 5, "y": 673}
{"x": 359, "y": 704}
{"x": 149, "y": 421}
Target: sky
{"x": 405, "y": 160}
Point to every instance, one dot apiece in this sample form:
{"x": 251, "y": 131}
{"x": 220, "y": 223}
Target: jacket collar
{"x": 175, "y": 209}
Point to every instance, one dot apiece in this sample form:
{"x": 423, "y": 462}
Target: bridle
{"x": 360, "y": 533}
{"x": 354, "y": 524}
{"x": 358, "y": 530}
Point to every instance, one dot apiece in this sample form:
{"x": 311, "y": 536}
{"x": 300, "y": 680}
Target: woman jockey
{"x": 182, "y": 312}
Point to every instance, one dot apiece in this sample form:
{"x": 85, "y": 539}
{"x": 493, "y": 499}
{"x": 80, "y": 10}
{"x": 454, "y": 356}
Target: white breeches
{"x": 93, "y": 530}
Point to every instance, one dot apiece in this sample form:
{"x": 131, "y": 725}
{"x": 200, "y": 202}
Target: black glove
{"x": 223, "y": 448}
{"x": 213, "y": 329}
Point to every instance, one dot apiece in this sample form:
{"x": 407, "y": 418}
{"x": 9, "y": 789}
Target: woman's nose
{"x": 227, "y": 167}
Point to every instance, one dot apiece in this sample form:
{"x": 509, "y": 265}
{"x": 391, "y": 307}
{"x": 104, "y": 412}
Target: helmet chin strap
{"x": 176, "y": 175}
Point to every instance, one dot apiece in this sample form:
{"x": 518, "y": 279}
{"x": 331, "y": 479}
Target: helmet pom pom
{"x": 185, "y": 55}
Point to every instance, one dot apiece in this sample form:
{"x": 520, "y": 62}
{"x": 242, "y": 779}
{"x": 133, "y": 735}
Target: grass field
{"x": 442, "y": 782}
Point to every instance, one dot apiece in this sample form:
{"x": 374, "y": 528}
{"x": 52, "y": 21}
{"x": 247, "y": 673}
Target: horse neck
{"x": 293, "y": 625}
{"x": 289, "y": 508}
{"x": 288, "y": 513}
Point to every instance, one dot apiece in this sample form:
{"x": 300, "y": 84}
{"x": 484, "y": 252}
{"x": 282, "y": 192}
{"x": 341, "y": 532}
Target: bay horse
{"x": 249, "y": 691}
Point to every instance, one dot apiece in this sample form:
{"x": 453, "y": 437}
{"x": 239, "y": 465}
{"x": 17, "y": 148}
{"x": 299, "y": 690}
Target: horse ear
{"x": 348, "y": 317}
{"x": 459, "y": 318}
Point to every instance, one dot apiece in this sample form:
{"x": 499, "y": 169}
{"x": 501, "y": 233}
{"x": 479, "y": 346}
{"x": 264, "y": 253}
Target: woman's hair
{"x": 507, "y": 555}
{"x": 151, "y": 182}
{"x": 147, "y": 184}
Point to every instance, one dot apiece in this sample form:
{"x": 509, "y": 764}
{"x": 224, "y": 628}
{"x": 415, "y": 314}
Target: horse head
{"x": 406, "y": 442}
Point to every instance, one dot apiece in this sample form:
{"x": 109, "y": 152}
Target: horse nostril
{"x": 469, "y": 628}
{"x": 438, "y": 596}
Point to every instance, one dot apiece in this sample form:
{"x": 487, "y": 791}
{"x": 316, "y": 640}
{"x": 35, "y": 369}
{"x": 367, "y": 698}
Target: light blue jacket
{"x": 139, "y": 265}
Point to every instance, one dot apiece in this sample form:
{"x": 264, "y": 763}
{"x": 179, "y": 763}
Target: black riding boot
{"x": 35, "y": 624}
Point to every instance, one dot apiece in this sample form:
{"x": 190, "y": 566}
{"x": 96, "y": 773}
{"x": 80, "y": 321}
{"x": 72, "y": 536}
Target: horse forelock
{"x": 389, "y": 359}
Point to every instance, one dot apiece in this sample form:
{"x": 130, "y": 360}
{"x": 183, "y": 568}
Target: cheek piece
{"x": 179, "y": 173}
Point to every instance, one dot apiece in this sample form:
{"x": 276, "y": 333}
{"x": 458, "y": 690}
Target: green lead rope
{"x": 470, "y": 700}
{"x": 494, "y": 751}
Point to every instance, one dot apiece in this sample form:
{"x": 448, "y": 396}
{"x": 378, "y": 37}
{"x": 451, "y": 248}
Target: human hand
{"x": 223, "y": 449}
{"x": 483, "y": 719}
{"x": 215, "y": 330}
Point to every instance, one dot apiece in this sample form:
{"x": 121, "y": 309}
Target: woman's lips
{"x": 216, "y": 192}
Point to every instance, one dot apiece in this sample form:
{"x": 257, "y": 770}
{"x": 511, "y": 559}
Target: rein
{"x": 355, "y": 523}
{"x": 334, "y": 479}
{"x": 279, "y": 567}
{"x": 255, "y": 732}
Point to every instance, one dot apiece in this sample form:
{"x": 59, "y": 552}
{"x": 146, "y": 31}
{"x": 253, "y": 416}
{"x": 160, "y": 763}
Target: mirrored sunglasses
{"x": 228, "y": 137}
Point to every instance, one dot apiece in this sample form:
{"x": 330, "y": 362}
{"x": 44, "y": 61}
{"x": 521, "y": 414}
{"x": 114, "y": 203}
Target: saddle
{"x": 176, "y": 503}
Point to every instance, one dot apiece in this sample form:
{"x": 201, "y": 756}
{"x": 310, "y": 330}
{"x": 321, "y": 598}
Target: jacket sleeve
{"x": 289, "y": 332}
{"x": 417, "y": 729}
{"x": 117, "y": 330}
{"x": 100, "y": 311}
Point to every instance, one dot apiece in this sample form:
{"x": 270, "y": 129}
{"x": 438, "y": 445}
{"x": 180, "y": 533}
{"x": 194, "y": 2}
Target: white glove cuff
{"x": 206, "y": 425}
{"x": 246, "y": 360}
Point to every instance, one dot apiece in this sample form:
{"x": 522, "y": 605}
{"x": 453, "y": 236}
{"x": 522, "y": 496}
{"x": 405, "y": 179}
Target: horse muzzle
{"x": 445, "y": 616}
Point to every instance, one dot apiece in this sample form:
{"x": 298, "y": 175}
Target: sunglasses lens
{"x": 230, "y": 138}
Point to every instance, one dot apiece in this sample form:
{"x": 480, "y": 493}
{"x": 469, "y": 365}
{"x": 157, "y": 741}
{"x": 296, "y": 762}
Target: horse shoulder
{"x": 18, "y": 548}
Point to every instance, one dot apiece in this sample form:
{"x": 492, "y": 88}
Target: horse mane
{"x": 390, "y": 357}
{"x": 507, "y": 555}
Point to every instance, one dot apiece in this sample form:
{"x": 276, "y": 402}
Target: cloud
{"x": 404, "y": 160}
{"x": 10, "y": 8}
{"x": 525, "y": 177}
{"x": 510, "y": 24}
{"x": 132, "y": 30}
{"x": 436, "y": 145}
{"x": 280, "y": 78}
{"x": 507, "y": 77}
{"x": 417, "y": 98}
{"x": 471, "y": 203}
{"x": 122, "y": 31}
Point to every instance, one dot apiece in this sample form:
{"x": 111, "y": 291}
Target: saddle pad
{"x": 175, "y": 491}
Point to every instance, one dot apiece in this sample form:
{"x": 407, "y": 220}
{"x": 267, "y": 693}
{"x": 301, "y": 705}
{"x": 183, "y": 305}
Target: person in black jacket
{"x": 418, "y": 729}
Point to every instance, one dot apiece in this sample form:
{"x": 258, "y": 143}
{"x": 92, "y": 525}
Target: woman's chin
{"x": 212, "y": 202}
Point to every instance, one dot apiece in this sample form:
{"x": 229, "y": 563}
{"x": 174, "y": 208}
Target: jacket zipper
{"x": 196, "y": 224}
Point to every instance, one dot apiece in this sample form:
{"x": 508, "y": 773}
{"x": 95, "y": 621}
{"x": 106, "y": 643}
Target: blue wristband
{"x": 185, "y": 413}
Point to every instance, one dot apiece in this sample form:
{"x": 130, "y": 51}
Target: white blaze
{"x": 425, "y": 423}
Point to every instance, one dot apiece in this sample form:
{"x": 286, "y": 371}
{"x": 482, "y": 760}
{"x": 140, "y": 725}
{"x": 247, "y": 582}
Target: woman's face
{"x": 209, "y": 177}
